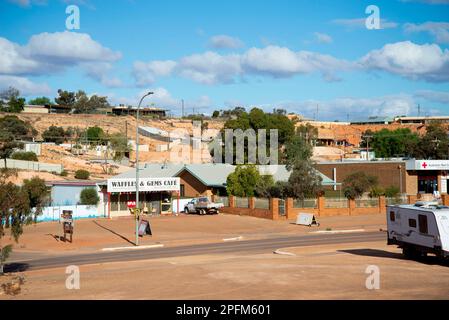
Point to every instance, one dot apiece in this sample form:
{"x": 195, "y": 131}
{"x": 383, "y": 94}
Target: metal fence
{"x": 224, "y": 200}
{"x": 261, "y": 203}
{"x": 402, "y": 199}
{"x": 306, "y": 203}
{"x": 32, "y": 165}
{"x": 241, "y": 202}
{"x": 336, "y": 203}
{"x": 367, "y": 203}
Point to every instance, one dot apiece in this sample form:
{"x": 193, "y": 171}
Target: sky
{"x": 315, "y": 58}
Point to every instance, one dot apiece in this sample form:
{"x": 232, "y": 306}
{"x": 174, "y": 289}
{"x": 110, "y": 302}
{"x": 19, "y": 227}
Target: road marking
{"x": 284, "y": 253}
{"x": 234, "y": 239}
{"x": 133, "y": 248}
{"x": 338, "y": 231}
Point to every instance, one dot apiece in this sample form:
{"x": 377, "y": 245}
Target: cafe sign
{"x": 145, "y": 184}
{"x": 426, "y": 165}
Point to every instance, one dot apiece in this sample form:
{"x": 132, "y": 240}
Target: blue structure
{"x": 67, "y": 193}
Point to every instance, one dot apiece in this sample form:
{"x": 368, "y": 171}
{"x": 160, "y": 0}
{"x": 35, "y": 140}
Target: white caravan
{"x": 419, "y": 229}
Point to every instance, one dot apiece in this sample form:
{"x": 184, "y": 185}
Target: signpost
{"x": 67, "y": 224}
{"x": 306, "y": 219}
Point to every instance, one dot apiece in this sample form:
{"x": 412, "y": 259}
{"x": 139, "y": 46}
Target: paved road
{"x": 249, "y": 246}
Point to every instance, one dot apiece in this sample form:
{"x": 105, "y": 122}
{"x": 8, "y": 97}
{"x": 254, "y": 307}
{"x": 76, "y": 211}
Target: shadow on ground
{"x": 113, "y": 232}
{"x": 16, "y": 267}
{"x": 429, "y": 260}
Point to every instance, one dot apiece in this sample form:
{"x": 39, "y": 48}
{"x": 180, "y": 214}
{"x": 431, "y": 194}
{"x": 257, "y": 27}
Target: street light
{"x": 137, "y": 167}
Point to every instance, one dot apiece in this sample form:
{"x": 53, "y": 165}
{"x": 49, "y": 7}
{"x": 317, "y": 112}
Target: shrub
{"x": 376, "y": 192}
{"x": 64, "y": 173}
{"x": 54, "y": 134}
{"x": 82, "y": 174}
{"x": 357, "y": 183}
{"x": 392, "y": 192}
{"x": 89, "y": 196}
{"x": 24, "y": 155}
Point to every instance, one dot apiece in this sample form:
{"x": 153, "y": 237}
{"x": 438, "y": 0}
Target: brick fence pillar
{"x": 445, "y": 199}
{"x": 231, "y": 201}
{"x": 321, "y": 205}
{"x": 412, "y": 199}
{"x": 252, "y": 202}
{"x": 351, "y": 206}
{"x": 274, "y": 208}
{"x": 289, "y": 208}
{"x": 382, "y": 204}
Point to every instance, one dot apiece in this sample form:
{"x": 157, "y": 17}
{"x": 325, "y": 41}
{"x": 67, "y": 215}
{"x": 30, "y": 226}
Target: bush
{"x": 357, "y": 183}
{"x": 24, "y": 155}
{"x": 376, "y": 192}
{"x": 89, "y": 196}
{"x": 64, "y": 173}
{"x": 54, "y": 134}
{"x": 392, "y": 192}
{"x": 82, "y": 174}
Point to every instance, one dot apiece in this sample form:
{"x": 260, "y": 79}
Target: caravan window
{"x": 392, "y": 217}
{"x": 423, "y": 223}
{"x": 412, "y": 223}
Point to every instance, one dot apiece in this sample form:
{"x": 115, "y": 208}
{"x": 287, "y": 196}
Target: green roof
{"x": 211, "y": 174}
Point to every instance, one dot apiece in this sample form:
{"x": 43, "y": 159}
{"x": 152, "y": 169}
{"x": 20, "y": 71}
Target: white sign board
{"x": 427, "y": 165}
{"x": 145, "y": 184}
{"x": 306, "y": 219}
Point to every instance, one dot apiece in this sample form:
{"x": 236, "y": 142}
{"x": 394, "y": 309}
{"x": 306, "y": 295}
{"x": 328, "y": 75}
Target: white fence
{"x": 79, "y": 212}
{"x": 32, "y": 165}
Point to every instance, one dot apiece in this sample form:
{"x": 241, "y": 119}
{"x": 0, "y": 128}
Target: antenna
{"x": 419, "y": 110}
{"x": 182, "y": 107}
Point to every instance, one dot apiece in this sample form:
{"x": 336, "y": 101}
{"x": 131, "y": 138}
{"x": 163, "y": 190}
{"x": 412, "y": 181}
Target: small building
{"x": 35, "y": 109}
{"x": 409, "y": 176}
{"x": 161, "y": 183}
{"x": 54, "y": 108}
{"x": 67, "y": 192}
{"x": 147, "y": 111}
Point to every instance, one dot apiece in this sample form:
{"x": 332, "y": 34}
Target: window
{"x": 182, "y": 190}
{"x": 412, "y": 223}
{"x": 392, "y": 217}
{"x": 422, "y": 219}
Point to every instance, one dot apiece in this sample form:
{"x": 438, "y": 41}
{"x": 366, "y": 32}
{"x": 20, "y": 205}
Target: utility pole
{"x": 182, "y": 103}
{"x": 419, "y": 110}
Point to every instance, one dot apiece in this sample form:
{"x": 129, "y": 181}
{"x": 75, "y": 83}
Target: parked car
{"x": 419, "y": 229}
{"x": 203, "y": 205}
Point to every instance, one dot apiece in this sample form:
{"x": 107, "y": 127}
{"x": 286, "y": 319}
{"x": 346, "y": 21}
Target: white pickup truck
{"x": 203, "y": 205}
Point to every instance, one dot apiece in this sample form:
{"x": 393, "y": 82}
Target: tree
{"x": 391, "y": 143}
{"x": 40, "y": 101}
{"x": 304, "y": 180}
{"x": 89, "y": 196}
{"x": 15, "y": 212}
{"x": 54, "y": 134}
{"x": 297, "y": 149}
{"x": 243, "y": 181}
{"x": 65, "y": 98}
{"x": 24, "y": 155}
{"x": 84, "y": 104}
{"x": 95, "y": 135}
{"x": 357, "y": 183}
{"x": 8, "y": 145}
{"x": 37, "y": 192}
{"x": 434, "y": 144}
{"x": 82, "y": 174}
{"x": 264, "y": 186}
{"x": 10, "y": 101}
{"x": 216, "y": 114}
{"x": 119, "y": 145}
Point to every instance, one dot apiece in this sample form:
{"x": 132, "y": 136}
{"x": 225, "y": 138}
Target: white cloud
{"x": 145, "y": 73}
{"x": 225, "y": 42}
{"x": 407, "y": 59}
{"x": 283, "y": 62}
{"x": 356, "y": 108}
{"x": 361, "y": 23}
{"x": 26, "y": 87}
{"x": 434, "y": 96}
{"x": 439, "y": 30}
{"x": 210, "y": 67}
{"x": 47, "y": 53}
{"x": 323, "y": 38}
{"x": 68, "y": 47}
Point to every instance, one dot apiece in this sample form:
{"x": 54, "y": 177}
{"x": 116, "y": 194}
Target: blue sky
{"x": 292, "y": 54}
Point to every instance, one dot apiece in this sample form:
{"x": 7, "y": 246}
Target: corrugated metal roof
{"x": 210, "y": 174}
